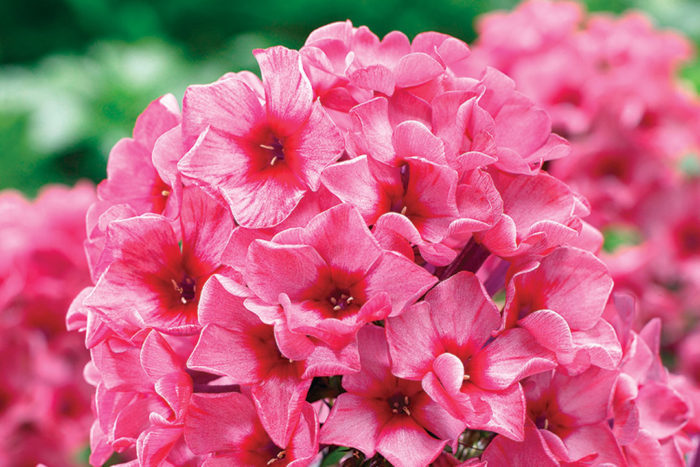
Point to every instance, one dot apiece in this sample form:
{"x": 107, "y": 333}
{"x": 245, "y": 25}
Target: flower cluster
{"x": 359, "y": 257}
{"x": 610, "y": 85}
{"x": 44, "y": 402}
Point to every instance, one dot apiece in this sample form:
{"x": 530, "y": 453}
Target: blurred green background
{"x": 74, "y": 74}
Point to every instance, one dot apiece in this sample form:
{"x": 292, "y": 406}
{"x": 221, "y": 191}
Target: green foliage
{"x": 334, "y": 456}
{"x": 619, "y": 236}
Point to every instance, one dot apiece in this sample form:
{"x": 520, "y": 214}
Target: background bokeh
{"x": 74, "y": 74}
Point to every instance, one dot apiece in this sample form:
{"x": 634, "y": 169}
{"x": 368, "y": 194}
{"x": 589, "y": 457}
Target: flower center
{"x": 276, "y": 151}
{"x": 399, "y": 204}
{"x": 399, "y": 404}
{"x": 280, "y": 455}
{"x": 542, "y": 422}
{"x": 340, "y": 300}
{"x": 186, "y": 288}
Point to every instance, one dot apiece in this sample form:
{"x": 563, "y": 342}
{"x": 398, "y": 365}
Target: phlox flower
{"x": 154, "y": 278}
{"x": 380, "y": 412}
{"x": 361, "y": 257}
{"x": 261, "y": 157}
{"x": 448, "y": 346}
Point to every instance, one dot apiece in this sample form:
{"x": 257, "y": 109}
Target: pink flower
{"x": 395, "y": 416}
{"x": 540, "y": 213}
{"x": 362, "y": 250}
{"x": 561, "y": 301}
{"x": 44, "y": 403}
{"x": 563, "y": 426}
{"x": 151, "y": 280}
{"x": 332, "y": 277}
{"x": 143, "y": 393}
{"x": 261, "y": 158}
{"x": 278, "y": 383}
{"x": 225, "y": 428}
{"x": 465, "y": 370}
{"x": 650, "y": 413}
{"x": 135, "y": 175}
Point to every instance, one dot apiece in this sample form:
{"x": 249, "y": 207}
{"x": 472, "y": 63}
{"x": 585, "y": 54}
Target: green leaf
{"x": 616, "y": 237}
{"x": 334, "y": 457}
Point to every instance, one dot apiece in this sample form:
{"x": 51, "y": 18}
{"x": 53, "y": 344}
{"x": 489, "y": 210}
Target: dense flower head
{"x": 634, "y": 142}
{"x": 44, "y": 402}
{"x": 360, "y": 257}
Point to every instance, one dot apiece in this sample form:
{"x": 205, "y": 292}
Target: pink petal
{"x": 160, "y": 116}
{"x": 375, "y": 77}
{"x": 154, "y": 444}
{"x": 511, "y": 356}
{"x": 303, "y": 447}
{"x": 355, "y": 421}
{"x": 416, "y": 68}
{"x": 431, "y": 198}
{"x": 221, "y": 303}
{"x": 288, "y": 93}
{"x": 405, "y": 444}
{"x": 463, "y": 314}
{"x": 552, "y": 332}
{"x": 374, "y": 130}
{"x": 662, "y": 410}
{"x": 228, "y": 105}
{"x": 413, "y": 139}
{"x": 279, "y": 399}
{"x": 584, "y": 398}
{"x": 374, "y": 378}
{"x": 531, "y": 451}
{"x": 461, "y": 405}
{"x": 212, "y": 354}
{"x": 352, "y": 182}
{"x": 403, "y": 280}
{"x": 206, "y": 227}
{"x": 232, "y": 166}
{"x": 219, "y": 422}
{"x": 594, "y": 439}
{"x": 316, "y": 145}
{"x": 342, "y": 239}
{"x": 450, "y": 371}
{"x": 522, "y": 128}
{"x": 413, "y": 341}
{"x": 507, "y": 410}
{"x": 301, "y": 264}
{"x": 598, "y": 345}
{"x": 428, "y": 414}
{"x": 157, "y": 357}
{"x": 176, "y": 390}
{"x": 327, "y": 361}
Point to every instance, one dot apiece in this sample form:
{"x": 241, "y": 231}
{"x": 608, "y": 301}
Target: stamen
{"x": 165, "y": 193}
{"x": 406, "y": 411}
{"x": 280, "y": 455}
{"x": 337, "y": 308}
{"x": 183, "y": 300}
{"x": 334, "y": 301}
{"x": 405, "y": 400}
{"x": 546, "y": 424}
{"x": 466, "y": 378}
{"x": 265, "y": 146}
{"x": 274, "y": 159}
{"x": 176, "y": 286}
{"x": 349, "y": 300}
{"x": 403, "y": 210}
